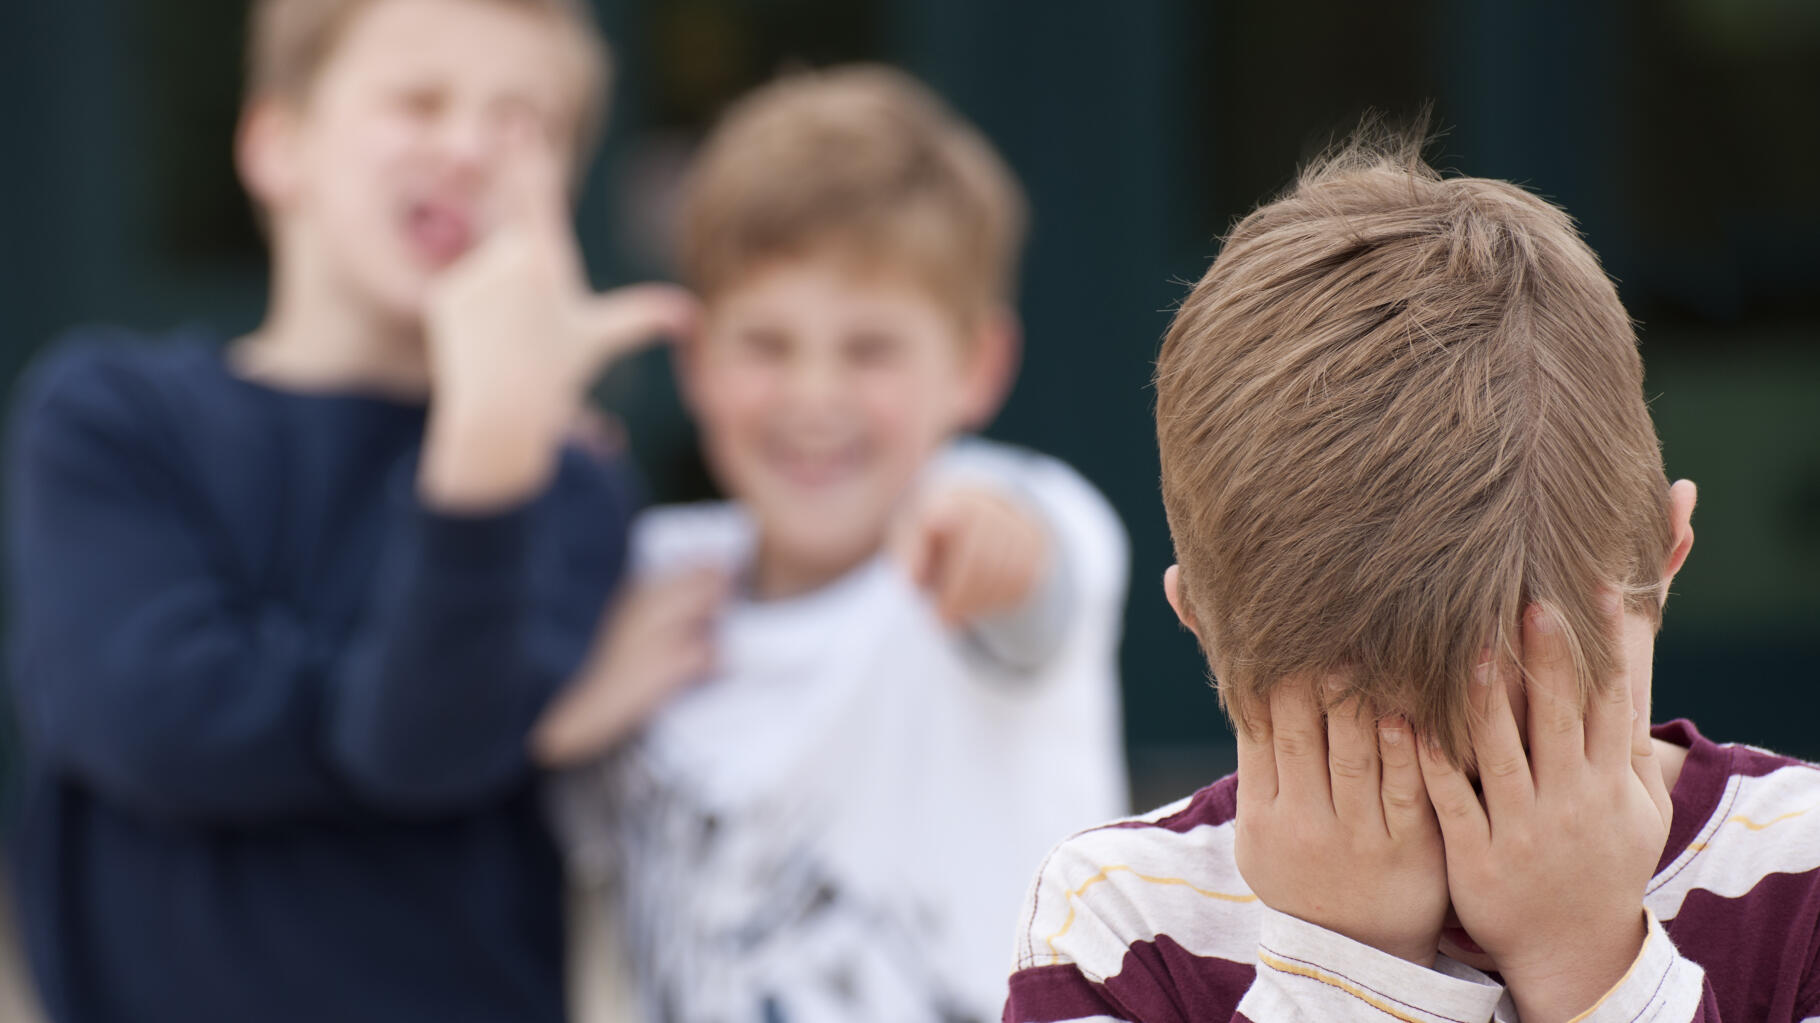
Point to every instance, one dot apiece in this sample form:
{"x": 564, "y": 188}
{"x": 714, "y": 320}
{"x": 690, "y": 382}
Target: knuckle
{"x": 1349, "y": 767}
{"x": 1401, "y": 799}
{"x": 1296, "y": 744}
{"x": 1502, "y": 767}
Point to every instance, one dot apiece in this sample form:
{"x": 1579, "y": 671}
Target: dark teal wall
{"x": 1679, "y": 134}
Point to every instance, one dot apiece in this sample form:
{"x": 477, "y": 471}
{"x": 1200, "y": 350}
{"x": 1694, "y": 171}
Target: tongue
{"x": 439, "y": 233}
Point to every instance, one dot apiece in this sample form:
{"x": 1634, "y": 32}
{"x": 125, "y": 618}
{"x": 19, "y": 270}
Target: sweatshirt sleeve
{"x": 142, "y": 671}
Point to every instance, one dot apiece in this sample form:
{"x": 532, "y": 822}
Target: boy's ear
{"x": 992, "y": 362}
{"x": 1681, "y": 498}
{"x": 1172, "y": 589}
{"x": 265, "y": 151}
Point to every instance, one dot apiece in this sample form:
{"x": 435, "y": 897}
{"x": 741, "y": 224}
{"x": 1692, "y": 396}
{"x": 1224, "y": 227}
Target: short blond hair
{"x": 860, "y": 157}
{"x": 290, "y": 41}
{"x": 1398, "y": 409}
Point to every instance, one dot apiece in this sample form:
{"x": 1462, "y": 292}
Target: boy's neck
{"x": 779, "y": 574}
{"x": 318, "y": 338}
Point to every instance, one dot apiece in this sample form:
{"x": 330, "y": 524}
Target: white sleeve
{"x": 1307, "y": 974}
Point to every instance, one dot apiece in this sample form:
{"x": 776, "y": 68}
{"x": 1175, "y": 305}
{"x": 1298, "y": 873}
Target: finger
{"x": 1300, "y": 741}
{"x": 1464, "y": 825}
{"x": 1648, "y": 766}
{"x": 915, "y": 549}
{"x": 1352, "y": 765}
{"x": 1014, "y": 566}
{"x": 968, "y": 574}
{"x": 1401, "y": 793}
{"x": 1610, "y": 718}
{"x": 1649, "y": 771}
{"x": 1496, "y": 741}
{"x": 934, "y": 522}
{"x": 683, "y": 599}
{"x": 1026, "y": 559}
{"x": 693, "y": 662}
{"x": 1257, "y": 755}
{"x": 627, "y": 318}
{"x": 1557, "y": 727}
{"x": 533, "y": 184}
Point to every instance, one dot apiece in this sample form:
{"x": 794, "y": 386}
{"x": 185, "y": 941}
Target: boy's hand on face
{"x": 516, "y": 335}
{"x": 1547, "y": 872}
{"x": 975, "y": 552}
{"x": 1334, "y": 826}
{"x": 657, "y": 639}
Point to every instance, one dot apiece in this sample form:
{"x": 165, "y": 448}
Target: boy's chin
{"x": 401, "y": 300}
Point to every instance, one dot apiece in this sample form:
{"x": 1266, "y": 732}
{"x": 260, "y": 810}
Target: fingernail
{"x": 1482, "y": 674}
{"x": 1610, "y": 600}
{"x": 1390, "y": 734}
{"x": 1544, "y": 621}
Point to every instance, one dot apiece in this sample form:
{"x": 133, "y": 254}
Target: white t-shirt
{"x": 840, "y": 825}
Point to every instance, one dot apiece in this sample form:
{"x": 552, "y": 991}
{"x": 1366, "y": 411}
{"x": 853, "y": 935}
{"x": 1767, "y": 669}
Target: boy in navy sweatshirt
{"x": 286, "y": 611}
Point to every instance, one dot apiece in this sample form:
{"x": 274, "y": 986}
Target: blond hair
{"x": 864, "y": 158}
{"x": 290, "y": 41}
{"x": 1398, "y": 409}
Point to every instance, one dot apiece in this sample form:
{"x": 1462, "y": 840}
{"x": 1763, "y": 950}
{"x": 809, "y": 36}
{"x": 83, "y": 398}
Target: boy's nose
{"x": 815, "y": 382}
{"x": 469, "y": 141}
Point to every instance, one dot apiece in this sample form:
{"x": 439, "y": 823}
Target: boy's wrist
{"x": 485, "y": 457}
{"x": 1576, "y": 976}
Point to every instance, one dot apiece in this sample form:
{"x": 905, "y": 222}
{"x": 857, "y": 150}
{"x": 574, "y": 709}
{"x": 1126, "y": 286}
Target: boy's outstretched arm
{"x": 1016, "y": 549}
{"x": 1548, "y": 869}
{"x": 979, "y": 554}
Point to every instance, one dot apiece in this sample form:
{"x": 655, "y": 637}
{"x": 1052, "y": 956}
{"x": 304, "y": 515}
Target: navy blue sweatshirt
{"x": 274, "y": 709}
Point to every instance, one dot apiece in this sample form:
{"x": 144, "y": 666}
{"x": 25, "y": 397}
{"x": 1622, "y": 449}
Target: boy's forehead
{"x": 837, "y": 276}
{"x": 489, "y": 44}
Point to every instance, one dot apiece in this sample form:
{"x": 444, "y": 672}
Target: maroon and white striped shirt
{"x": 1147, "y": 920}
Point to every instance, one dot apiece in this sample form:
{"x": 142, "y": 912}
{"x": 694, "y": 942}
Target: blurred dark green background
{"x": 1682, "y": 133}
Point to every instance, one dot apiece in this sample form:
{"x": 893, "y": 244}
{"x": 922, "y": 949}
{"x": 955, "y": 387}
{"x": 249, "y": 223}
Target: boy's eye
{"x": 764, "y": 343}
{"x": 516, "y": 110}
{"x": 421, "y": 103}
{"x": 869, "y": 348}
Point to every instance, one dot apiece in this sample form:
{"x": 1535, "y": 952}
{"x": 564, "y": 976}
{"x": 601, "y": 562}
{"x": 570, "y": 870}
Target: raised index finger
{"x": 533, "y": 187}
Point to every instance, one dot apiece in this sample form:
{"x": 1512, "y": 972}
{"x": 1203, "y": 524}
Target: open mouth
{"x": 439, "y": 232}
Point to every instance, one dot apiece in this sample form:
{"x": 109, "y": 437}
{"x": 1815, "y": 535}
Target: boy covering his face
{"x": 1425, "y": 538}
